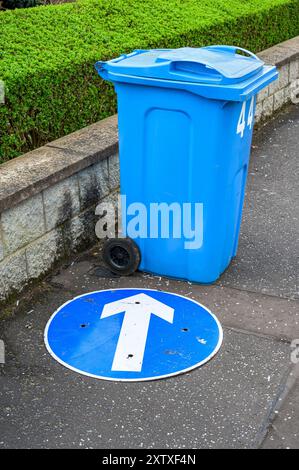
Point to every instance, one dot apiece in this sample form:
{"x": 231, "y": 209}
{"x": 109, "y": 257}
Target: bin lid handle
{"x": 233, "y": 50}
{"x": 206, "y": 65}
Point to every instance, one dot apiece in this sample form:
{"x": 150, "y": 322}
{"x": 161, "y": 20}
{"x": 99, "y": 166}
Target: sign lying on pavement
{"x": 132, "y": 334}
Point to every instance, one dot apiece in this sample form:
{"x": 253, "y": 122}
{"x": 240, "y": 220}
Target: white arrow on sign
{"x": 133, "y": 335}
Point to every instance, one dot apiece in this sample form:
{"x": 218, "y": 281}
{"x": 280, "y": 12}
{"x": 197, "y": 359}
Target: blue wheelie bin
{"x": 185, "y": 121}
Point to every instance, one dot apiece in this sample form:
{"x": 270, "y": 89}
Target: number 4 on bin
{"x": 242, "y": 119}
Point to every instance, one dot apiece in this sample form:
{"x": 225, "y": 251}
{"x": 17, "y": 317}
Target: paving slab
{"x": 267, "y": 259}
{"x": 250, "y": 311}
{"x": 284, "y": 430}
{"x": 225, "y": 404}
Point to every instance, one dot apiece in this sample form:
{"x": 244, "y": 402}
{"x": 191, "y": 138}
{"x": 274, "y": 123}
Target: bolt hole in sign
{"x": 132, "y": 334}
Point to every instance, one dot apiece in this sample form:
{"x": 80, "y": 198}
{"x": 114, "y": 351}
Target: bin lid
{"x": 211, "y": 64}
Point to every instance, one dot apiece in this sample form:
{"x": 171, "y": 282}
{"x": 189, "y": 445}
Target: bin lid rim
{"x": 211, "y": 64}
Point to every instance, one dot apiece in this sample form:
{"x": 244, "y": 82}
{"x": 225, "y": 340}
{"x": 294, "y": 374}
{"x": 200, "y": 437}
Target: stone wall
{"x": 284, "y": 90}
{"x": 48, "y": 196}
{"x": 48, "y": 199}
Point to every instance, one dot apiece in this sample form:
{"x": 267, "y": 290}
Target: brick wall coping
{"x": 33, "y": 172}
{"x": 282, "y": 53}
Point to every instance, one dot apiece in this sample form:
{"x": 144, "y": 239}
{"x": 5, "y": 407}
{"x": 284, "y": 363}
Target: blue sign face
{"x": 132, "y": 334}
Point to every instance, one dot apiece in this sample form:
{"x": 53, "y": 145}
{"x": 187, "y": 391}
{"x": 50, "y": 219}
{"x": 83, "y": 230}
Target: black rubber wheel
{"x": 121, "y": 255}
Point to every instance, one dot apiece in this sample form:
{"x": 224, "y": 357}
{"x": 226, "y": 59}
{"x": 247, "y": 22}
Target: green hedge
{"x": 12, "y": 4}
{"x": 47, "y": 54}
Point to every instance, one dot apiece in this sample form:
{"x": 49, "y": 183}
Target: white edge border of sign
{"x": 145, "y": 379}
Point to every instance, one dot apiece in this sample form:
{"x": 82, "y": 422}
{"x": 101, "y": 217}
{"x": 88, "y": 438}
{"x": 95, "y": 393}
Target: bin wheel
{"x": 121, "y": 255}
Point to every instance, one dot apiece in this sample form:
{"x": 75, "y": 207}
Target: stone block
{"x": 79, "y": 232}
{"x": 258, "y": 112}
{"x": 13, "y": 274}
{"x": 43, "y": 253}
{"x": 93, "y": 184}
{"x": 22, "y": 224}
{"x": 113, "y": 165}
{"x": 292, "y": 92}
{"x": 262, "y": 95}
{"x": 1, "y": 244}
{"x": 279, "y": 99}
{"x": 61, "y": 202}
{"x": 282, "y": 81}
{"x": 268, "y": 104}
{"x": 294, "y": 70}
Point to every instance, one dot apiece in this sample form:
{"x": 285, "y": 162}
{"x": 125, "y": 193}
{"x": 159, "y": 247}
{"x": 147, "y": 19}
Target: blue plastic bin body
{"x": 185, "y": 121}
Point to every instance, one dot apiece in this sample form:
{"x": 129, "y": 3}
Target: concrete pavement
{"x": 246, "y": 397}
